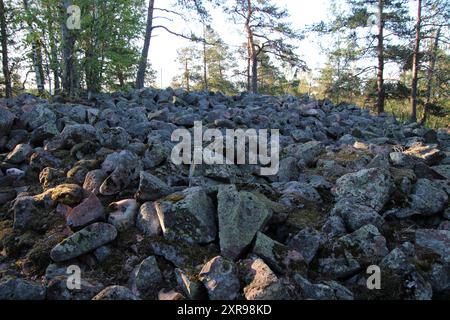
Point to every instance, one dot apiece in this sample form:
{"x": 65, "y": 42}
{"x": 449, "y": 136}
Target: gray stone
{"x": 427, "y": 199}
{"x": 220, "y": 278}
{"x": 370, "y": 187}
{"x": 263, "y": 284}
{"x": 146, "y": 278}
{"x": 20, "y": 289}
{"x": 278, "y": 256}
{"x": 191, "y": 286}
{"x": 20, "y": 154}
{"x": 151, "y": 188}
{"x": 437, "y": 241}
{"x": 147, "y": 220}
{"x": 188, "y": 216}
{"x": 241, "y": 216}
{"x": 124, "y": 215}
{"x": 367, "y": 244}
{"x": 115, "y": 293}
{"x": 6, "y": 121}
{"x": 307, "y": 242}
{"x": 356, "y": 215}
{"x": 84, "y": 241}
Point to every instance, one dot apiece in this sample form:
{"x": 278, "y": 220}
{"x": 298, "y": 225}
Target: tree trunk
{"x": 144, "y": 55}
{"x": 430, "y": 74}
{"x": 53, "y": 56}
{"x": 186, "y": 75}
{"x": 69, "y": 80}
{"x": 4, "y": 36}
{"x": 415, "y": 65}
{"x": 36, "y": 53}
{"x": 120, "y": 78}
{"x": 253, "y": 56}
{"x": 205, "y": 62}
{"x": 380, "y": 53}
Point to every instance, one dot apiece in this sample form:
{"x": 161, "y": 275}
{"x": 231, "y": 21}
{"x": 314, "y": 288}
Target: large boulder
{"x": 262, "y": 283}
{"x": 356, "y": 215}
{"x": 427, "y": 198}
{"x": 370, "y": 187}
{"x": 6, "y": 121}
{"x": 87, "y": 212}
{"x": 241, "y": 216}
{"x": 151, "y": 188}
{"x": 436, "y": 241}
{"x": 366, "y": 244}
{"x": 84, "y": 241}
{"x": 220, "y": 277}
{"x": 189, "y": 216}
{"x": 20, "y": 289}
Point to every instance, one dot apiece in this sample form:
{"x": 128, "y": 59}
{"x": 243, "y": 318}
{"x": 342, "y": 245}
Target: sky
{"x": 163, "y": 47}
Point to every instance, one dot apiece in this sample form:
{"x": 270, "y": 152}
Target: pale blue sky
{"x": 163, "y": 49}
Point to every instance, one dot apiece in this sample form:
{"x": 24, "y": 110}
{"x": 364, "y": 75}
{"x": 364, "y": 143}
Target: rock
{"x": 93, "y": 180}
{"x": 181, "y": 254}
{"x": 288, "y": 170}
{"x": 171, "y": 295}
{"x": 241, "y": 216}
{"x": 314, "y": 291}
{"x": 6, "y": 121}
{"x": 294, "y": 190}
{"x": 356, "y": 215}
{"x": 77, "y": 133}
{"x": 89, "y": 211}
{"x": 219, "y": 276}
{"x": 124, "y": 216}
{"x": 278, "y": 256}
{"x": 57, "y": 289}
{"x": 26, "y": 213}
{"x": 7, "y": 195}
{"x": 147, "y": 220}
{"x": 50, "y": 177}
{"x": 124, "y": 167}
{"x": 443, "y": 170}
{"x": 402, "y": 160}
{"x": 334, "y": 227}
{"x": 309, "y": 151}
{"x": 191, "y": 286}
{"x": 114, "y": 138}
{"x": 440, "y": 277}
{"x": 340, "y": 267}
{"x": 43, "y": 133}
{"x": 427, "y": 199}
{"x": 146, "y": 278}
{"x": 428, "y": 153}
{"x": 84, "y": 241}
{"x": 115, "y": 293}
{"x": 370, "y": 187}
{"x": 263, "y": 284}
{"x": 307, "y": 242}
{"x": 155, "y": 156}
{"x": 69, "y": 194}
{"x": 20, "y": 289}
{"x": 188, "y": 216}
{"x": 437, "y": 241}
{"x": 367, "y": 244}
{"x": 151, "y": 188}
{"x": 20, "y": 154}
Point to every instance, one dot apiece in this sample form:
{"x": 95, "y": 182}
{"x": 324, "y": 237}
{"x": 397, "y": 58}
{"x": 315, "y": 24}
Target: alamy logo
{"x": 234, "y": 142}
{"x": 374, "y": 281}
{"x": 74, "y": 277}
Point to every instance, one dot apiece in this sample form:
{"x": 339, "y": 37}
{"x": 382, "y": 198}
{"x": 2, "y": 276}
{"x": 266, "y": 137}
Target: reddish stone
{"x": 63, "y": 210}
{"x": 89, "y": 211}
